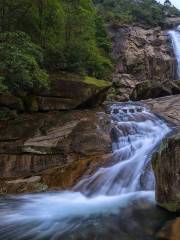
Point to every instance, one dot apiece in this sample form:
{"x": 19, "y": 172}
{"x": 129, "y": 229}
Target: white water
{"x": 136, "y": 134}
{"x": 175, "y": 36}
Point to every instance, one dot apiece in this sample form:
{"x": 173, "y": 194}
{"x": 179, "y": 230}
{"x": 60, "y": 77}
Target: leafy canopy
{"x": 148, "y": 12}
{"x": 19, "y": 63}
{"x": 70, "y": 32}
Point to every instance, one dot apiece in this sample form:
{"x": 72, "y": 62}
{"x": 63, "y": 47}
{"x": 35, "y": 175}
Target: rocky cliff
{"x": 142, "y": 56}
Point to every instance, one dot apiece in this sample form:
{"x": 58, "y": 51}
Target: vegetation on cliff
{"x": 148, "y": 12}
{"x": 20, "y": 62}
{"x": 53, "y": 35}
{"x": 38, "y": 37}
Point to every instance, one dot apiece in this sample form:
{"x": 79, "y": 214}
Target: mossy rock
{"x": 81, "y": 90}
{"x": 97, "y": 83}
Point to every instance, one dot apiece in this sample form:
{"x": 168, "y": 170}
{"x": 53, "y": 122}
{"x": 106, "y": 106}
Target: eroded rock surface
{"x": 166, "y": 161}
{"x": 66, "y": 92}
{"x": 168, "y": 107}
{"x": 57, "y": 146}
{"x": 166, "y": 166}
{"x": 141, "y": 55}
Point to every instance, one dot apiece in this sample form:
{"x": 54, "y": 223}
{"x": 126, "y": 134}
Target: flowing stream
{"x": 175, "y": 36}
{"x": 116, "y": 202}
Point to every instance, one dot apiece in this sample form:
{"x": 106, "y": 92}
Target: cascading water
{"x": 113, "y": 203}
{"x": 175, "y": 36}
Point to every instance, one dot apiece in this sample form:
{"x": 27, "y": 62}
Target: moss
{"x": 97, "y": 83}
{"x": 80, "y": 78}
{"x": 170, "y": 206}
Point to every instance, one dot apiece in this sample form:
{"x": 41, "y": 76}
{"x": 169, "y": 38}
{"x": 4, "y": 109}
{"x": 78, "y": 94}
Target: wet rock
{"x": 115, "y": 111}
{"x": 168, "y": 107}
{"x": 166, "y": 162}
{"x": 171, "y": 230}
{"x": 166, "y": 165}
{"x": 32, "y": 184}
{"x": 88, "y": 138}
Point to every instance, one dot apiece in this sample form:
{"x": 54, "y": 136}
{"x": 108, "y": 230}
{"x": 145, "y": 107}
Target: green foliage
{"x": 170, "y": 10}
{"x": 70, "y": 32}
{"x": 19, "y": 63}
{"x": 148, "y": 12}
{"x": 3, "y": 87}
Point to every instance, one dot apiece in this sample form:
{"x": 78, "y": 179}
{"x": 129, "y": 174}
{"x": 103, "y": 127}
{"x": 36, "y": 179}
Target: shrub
{"x": 20, "y": 61}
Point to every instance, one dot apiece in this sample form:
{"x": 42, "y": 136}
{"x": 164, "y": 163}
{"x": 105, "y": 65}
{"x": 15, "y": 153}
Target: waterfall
{"x": 127, "y": 183}
{"x": 175, "y": 36}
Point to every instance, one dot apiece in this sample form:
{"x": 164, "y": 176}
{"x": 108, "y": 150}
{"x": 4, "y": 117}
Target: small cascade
{"x": 136, "y": 133}
{"x": 175, "y": 36}
{"x": 111, "y": 194}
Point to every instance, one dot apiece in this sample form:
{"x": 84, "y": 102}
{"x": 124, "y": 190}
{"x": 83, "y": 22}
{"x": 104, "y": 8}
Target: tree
{"x": 66, "y": 30}
{"x": 167, "y": 3}
{"x": 20, "y": 61}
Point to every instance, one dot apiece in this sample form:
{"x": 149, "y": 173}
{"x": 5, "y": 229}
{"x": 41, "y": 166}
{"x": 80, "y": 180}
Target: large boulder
{"x": 69, "y": 91}
{"x": 166, "y": 162}
{"x": 123, "y": 87}
{"x": 149, "y": 89}
{"x": 168, "y": 107}
{"x": 166, "y": 165}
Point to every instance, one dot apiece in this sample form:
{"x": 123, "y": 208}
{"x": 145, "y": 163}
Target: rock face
{"x": 70, "y": 91}
{"x": 166, "y": 166}
{"x": 42, "y": 145}
{"x": 168, "y": 107}
{"x": 166, "y": 162}
{"x": 66, "y": 92}
{"x": 172, "y": 22}
{"x": 148, "y": 89}
{"x": 55, "y": 147}
{"x": 141, "y": 55}
{"x": 170, "y": 231}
